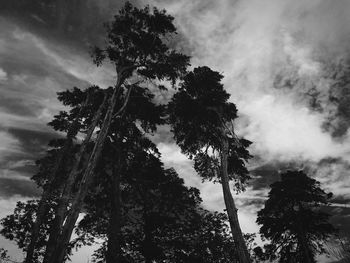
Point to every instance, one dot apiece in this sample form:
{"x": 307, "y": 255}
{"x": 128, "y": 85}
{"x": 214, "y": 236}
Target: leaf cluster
{"x": 292, "y": 212}
{"x": 136, "y": 39}
{"x": 199, "y": 114}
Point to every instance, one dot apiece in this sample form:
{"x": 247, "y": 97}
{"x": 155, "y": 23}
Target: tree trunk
{"x": 243, "y": 255}
{"x": 49, "y": 191}
{"x": 63, "y": 241}
{"x": 113, "y": 235}
{"x": 61, "y": 209}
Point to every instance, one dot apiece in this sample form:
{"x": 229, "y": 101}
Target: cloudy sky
{"x": 286, "y": 65}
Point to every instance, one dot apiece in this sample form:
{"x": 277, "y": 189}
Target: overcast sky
{"x": 286, "y": 66}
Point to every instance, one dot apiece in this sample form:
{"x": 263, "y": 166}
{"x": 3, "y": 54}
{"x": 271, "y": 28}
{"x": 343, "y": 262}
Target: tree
{"x": 53, "y": 183}
{"x": 293, "y": 219}
{"x": 202, "y": 122}
{"x": 136, "y": 47}
{"x": 161, "y": 219}
{"x": 125, "y": 139}
{"x": 52, "y": 173}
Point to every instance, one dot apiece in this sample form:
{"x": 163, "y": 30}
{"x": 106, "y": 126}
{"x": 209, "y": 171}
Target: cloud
{"x": 3, "y": 75}
{"x": 251, "y": 42}
{"x": 281, "y": 61}
{"x": 35, "y": 68}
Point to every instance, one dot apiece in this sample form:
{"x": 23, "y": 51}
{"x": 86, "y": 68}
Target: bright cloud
{"x": 253, "y": 43}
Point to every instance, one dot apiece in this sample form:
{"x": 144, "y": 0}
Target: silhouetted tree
{"x": 53, "y": 181}
{"x": 124, "y": 138}
{"x": 202, "y": 121}
{"x": 136, "y": 47}
{"x": 292, "y": 218}
{"x": 160, "y": 219}
{"x": 55, "y": 167}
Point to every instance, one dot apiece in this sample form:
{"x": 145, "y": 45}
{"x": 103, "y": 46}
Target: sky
{"x": 286, "y": 65}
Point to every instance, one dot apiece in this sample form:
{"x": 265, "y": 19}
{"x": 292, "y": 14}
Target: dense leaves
{"x": 136, "y": 39}
{"x": 201, "y": 117}
{"x": 17, "y": 226}
{"x": 202, "y": 122}
{"x": 293, "y": 219}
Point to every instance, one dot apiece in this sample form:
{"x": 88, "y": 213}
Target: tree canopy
{"x": 104, "y": 168}
{"x": 293, "y": 218}
{"x": 202, "y": 122}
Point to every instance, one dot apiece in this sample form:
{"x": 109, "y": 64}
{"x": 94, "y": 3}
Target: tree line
{"x": 103, "y": 180}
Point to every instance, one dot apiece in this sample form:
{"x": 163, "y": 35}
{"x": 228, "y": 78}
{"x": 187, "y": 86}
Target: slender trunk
{"x": 63, "y": 241}
{"x": 49, "y": 191}
{"x": 62, "y": 205}
{"x": 113, "y": 235}
{"x": 243, "y": 255}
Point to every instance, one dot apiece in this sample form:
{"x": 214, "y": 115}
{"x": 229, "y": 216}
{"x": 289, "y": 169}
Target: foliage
{"x": 136, "y": 39}
{"x": 162, "y": 220}
{"x": 17, "y": 226}
{"x": 200, "y": 116}
{"x": 293, "y": 219}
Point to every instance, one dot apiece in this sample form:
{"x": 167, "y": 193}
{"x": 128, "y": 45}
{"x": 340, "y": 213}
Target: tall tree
{"x": 293, "y": 220}
{"x": 54, "y": 182}
{"x": 136, "y": 47}
{"x": 161, "y": 219}
{"x": 202, "y": 121}
{"x": 124, "y": 138}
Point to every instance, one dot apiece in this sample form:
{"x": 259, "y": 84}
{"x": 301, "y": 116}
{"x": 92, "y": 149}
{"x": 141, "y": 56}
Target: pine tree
{"x": 202, "y": 121}
{"x": 136, "y": 46}
{"x": 293, "y": 220}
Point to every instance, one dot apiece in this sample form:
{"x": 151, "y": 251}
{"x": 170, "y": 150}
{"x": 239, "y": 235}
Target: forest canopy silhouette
{"x": 103, "y": 183}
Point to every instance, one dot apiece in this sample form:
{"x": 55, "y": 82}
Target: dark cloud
{"x": 19, "y": 106}
{"x": 32, "y": 143}
{"x": 24, "y": 188}
{"x": 338, "y": 122}
{"x": 78, "y": 20}
{"x": 163, "y": 135}
{"x": 339, "y": 219}
{"x": 17, "y": 167}
{"x": 252, "y": 203}
{"x": 339, "y": 199}
{"x": 327, "y": 93}
{"x": 266, "y": 174}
